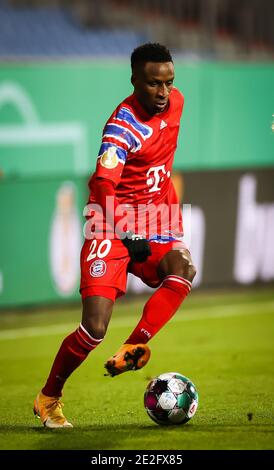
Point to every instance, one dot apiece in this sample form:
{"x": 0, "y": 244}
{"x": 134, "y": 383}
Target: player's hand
{"x": 138, "y": 246}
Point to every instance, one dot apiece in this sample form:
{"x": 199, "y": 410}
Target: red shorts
{"x": 105, "y": 265}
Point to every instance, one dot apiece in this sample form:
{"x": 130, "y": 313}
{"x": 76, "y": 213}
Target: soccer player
{"x": 134, "y": 173}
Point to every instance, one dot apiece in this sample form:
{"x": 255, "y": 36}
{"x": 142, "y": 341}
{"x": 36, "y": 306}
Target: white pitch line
{"x": 217, "y": 311}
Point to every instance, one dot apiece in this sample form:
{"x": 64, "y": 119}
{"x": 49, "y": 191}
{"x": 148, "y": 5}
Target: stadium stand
{"x": 50, "y": 31}
{"x": 205, "y": 29}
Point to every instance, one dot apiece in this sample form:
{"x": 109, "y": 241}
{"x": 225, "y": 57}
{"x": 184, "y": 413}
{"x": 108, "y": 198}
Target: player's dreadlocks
{"x": 150, "y": 52}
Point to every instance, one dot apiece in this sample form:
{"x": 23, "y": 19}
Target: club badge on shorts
{"x": 98, "y": 268}
{"x": 109, "y": 159}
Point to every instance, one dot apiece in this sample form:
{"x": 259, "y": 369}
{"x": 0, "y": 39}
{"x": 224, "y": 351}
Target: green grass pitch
{"x": 223, "y": 341}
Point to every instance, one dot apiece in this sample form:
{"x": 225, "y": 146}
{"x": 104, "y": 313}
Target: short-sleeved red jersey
{"x": 137, "y": 153}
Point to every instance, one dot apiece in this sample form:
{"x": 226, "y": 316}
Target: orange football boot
{"x": 49, "y": 409}
{"x": 129, "y": 357}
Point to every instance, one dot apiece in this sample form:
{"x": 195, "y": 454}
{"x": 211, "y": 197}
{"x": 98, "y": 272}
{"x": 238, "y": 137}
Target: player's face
{"x": 152, "y": 83}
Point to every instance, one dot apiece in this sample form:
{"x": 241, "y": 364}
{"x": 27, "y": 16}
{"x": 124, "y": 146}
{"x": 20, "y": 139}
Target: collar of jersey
{"x": 145, "y": 115}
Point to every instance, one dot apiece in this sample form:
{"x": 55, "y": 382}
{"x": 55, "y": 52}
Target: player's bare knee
{"x": 187, "y": 268}
{"x": 179, "y": 263}
{"x": 95, "y": 327}
{"x": 95, "y": 322}
{"x": 99, "y": 331}
{"x": 96, "y": 315}
{"x": 191, "y": 272}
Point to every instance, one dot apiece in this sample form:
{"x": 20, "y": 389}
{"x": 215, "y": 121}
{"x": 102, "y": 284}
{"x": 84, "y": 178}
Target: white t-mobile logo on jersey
{"x": 156, "y": 178}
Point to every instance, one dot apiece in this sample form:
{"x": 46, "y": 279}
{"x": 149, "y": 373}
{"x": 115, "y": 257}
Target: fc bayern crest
{"x": 98, "y": 268}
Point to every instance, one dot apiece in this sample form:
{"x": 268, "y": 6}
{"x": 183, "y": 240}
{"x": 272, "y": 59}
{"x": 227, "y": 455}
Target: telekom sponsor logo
{"x": 156, "y": 176}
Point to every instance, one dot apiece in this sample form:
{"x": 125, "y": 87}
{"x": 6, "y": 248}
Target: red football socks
{"x": 160, "y": 308}
{"x": 73, "y": 351}
{"x": 75, "y": 348}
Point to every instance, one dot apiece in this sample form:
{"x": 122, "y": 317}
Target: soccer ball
{"x": 171, "y": 398}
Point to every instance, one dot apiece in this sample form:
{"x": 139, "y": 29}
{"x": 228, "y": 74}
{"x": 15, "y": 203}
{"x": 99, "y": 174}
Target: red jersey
{"x": 137, "y": 154}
